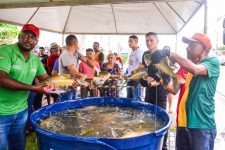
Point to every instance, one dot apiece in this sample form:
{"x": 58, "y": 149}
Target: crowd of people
{"x": 22, "y": 73}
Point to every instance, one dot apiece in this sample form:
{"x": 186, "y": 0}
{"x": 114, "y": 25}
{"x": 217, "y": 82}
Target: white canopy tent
{"x": 101, "y": 16}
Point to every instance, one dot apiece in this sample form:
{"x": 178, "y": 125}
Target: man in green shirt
{"x": 18, "y": 68}
{"x": 197, "y": 129}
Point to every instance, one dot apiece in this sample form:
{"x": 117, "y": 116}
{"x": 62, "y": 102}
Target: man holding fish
{"x": 69, "y": 62}
{"x": 155, "y": 92}
{"x": 196, "y": 128}
{"x": 18, "y": 68}
{"x": 135, "y": 57}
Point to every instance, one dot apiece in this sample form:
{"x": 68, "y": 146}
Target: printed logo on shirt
{"x": 33, "y": 70}
{"x": 17, "y": 67}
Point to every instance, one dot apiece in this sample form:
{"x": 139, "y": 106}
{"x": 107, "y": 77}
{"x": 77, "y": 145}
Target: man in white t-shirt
{"x": 135, "y": 61}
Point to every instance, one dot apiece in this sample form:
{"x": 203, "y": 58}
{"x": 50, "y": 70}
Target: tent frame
{"x": 51, "y": 3}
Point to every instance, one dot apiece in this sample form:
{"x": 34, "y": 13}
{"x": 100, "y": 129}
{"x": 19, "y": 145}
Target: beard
{"x": 24, "y": 49}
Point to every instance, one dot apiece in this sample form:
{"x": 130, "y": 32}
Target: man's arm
{"x": 87, "y": 61}
{"x": 13, "y": 84}
{"x": 10, "y": 83}
{"x": 43, "y": 77}
{"x": 90, "y": 63}
{"x": 195, "y": 69}
{"x": 170, "y": 89}
{"x": 74, "y": 71}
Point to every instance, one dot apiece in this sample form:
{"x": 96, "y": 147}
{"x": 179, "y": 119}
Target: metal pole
{"x": 176, "y": 45}
{"x": 206, "y": 18}
{"x": 62, "y": 39}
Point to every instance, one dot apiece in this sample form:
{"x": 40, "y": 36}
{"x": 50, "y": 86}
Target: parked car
{"x": 221, "y": 59}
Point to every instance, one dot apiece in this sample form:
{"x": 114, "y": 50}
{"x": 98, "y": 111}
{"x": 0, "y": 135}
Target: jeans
{"x": 134, "y": 92}
{"x": 30, "y": 101}
{"x": 71, "y": 95}
{"x": 195, "y": 139}
{"x": 12, "y": 131}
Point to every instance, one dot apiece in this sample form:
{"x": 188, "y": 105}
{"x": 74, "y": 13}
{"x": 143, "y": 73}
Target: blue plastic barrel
{"x": 48, "y": 140}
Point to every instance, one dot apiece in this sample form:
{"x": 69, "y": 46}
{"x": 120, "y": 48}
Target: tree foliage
{"x": 222, "y": 48}
{"x": 8, "y": 33}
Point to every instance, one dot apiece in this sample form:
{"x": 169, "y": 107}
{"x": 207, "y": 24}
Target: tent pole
{"x": 176, "y": 44}
{"x": 206, "y": 17}
{"x": 62, "y": 39}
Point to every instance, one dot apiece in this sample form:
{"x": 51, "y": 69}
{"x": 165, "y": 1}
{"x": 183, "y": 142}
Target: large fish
{"x": 63, "y": 82}
{"x": 164, "y": 67}
{"x": 53, "y": 123}
{"x": 138, "y": 74}
{"x": 130, "y": 133}
{"x": 100, "y": 80}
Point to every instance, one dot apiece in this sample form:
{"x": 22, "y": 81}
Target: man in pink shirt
{"x": 85, "y": 69}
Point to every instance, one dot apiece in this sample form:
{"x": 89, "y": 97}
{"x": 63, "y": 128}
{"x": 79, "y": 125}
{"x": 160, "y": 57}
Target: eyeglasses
{"x": 27, "y": 35}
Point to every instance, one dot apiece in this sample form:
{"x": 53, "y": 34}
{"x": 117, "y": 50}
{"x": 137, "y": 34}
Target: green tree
{"x": 222, "y": 48}
{"x": 8, "y": 33}
{"x": 124, "y": 57}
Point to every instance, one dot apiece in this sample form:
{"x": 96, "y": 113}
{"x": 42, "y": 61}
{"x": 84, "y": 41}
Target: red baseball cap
{"x": 31, "y": 27}
{"x": 198, "y": 37}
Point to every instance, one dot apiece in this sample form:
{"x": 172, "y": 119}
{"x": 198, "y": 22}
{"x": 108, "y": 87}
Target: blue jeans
{"x": 12, "y": 131}
{"x": 30, "y": 101}
{"x": 71, "y": 95}
{"x": 195, "y": 139}
{"x": 134, "y": 92}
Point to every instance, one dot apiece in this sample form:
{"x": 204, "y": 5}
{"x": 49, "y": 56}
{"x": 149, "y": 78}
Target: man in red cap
{"x": 18, "y": 68}
{"x": 196, "y": 128}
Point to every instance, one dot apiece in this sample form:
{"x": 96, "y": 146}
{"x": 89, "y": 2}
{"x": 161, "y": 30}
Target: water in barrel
{"x": 103, "y": 122}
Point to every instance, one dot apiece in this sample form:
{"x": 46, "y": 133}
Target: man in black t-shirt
{"x": 155, "y": 92}
{"x": 43, "y": 57}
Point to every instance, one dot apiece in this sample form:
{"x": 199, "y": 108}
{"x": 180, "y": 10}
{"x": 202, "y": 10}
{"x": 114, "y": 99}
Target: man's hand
{"x": 96, "y": 70}
{"x": 152, "y": 81}
{"x": 154, "y": 84}
{"x": 43, "y": 88}
{"x": 83, "y": 77}
{"x": 148, "y": 79}
{"x": 75, "y": 84}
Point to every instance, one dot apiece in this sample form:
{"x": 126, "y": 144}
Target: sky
{"x": 120, "y": 43}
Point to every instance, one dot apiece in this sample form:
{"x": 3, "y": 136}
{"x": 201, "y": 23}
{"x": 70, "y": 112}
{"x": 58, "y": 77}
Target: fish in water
{"x": 53, "y": 124}
{"x": 103, "y": 122}
{"x": 130, "y": 133}
{"x": 86, "y": 132}
{"x": 164, "y": 67}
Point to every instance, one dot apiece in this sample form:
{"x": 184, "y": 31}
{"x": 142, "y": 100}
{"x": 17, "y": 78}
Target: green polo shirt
{"x": 200, "y": 104}
{"x": 13, "y": 63}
